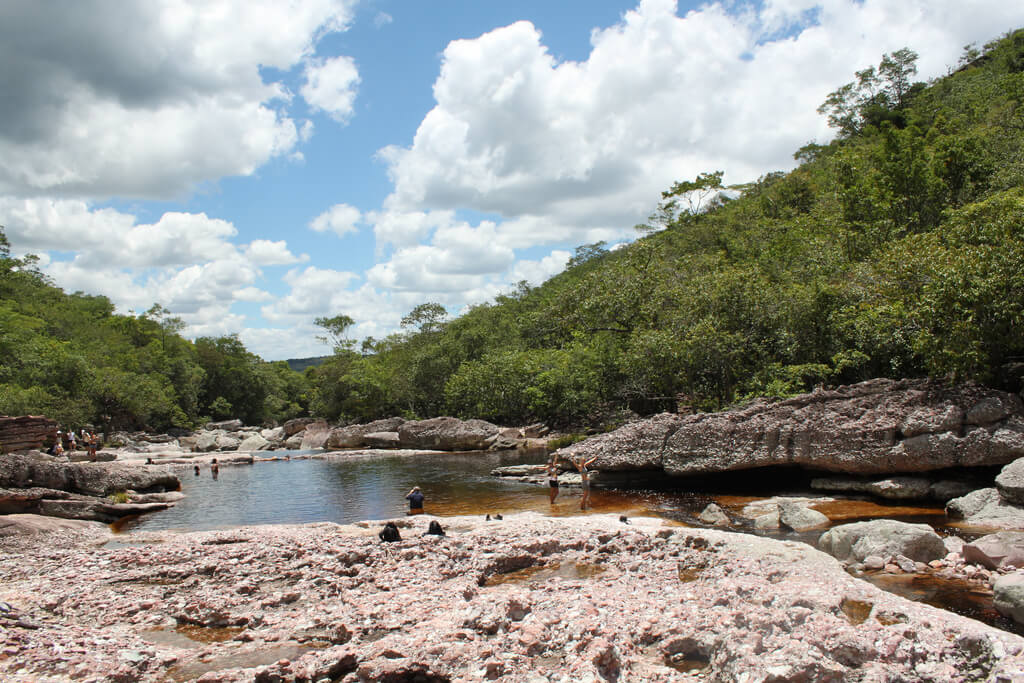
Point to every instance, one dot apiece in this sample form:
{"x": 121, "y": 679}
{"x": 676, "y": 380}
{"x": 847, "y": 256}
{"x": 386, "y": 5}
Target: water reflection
{"x": 350, "y": 489}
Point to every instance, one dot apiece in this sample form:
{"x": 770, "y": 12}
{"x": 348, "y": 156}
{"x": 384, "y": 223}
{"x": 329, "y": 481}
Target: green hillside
{"x": 70, "y": 357}
{"x": 894, "y": 251}
{"x": 897, "y": 250}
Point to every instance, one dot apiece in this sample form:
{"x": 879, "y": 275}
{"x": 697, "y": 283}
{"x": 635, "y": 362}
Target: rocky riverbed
{"x": 528, "y": 598}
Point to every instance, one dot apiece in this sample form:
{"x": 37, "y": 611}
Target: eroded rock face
{"x": 352, "y": 435}
{"x": 883, "y": 538}
{"x": 601, "y": 601}
{"x": 25, "y": 432}
{"x": 878, "y": 426}
{"x": 447, "y": 434}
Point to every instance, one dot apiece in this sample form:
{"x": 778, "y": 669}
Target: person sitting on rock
{"x": 582, "y": 466}
{"x": 389, "y": 534}
{"x": 434, "y": 529}
{"x": 415, "y": 498}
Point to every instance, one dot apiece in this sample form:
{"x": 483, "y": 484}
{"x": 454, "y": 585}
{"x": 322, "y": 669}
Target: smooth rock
{"x": 986, "y": 508}
{"x": 885, "y": 538}
{"x": 1008, "y": 596}
{"x": 254, "y": 443}
{"x": 447, "y": 434}
{"x": 996, "y": 550}
{"x": 714, "y": 515}
{"x": 799, "y": 517}
{"x": 1010, "y": 482}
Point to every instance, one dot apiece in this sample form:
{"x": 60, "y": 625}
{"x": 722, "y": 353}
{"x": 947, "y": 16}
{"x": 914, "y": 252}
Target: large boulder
{"x": 799, "y": 517}
{"x": 884, "y": 538}
{"x": 447, "y": 434}
{"x": 254, "y": 442}
{"x": 352, "y": 435}
{"x": 1008, "y": 596}
{"x": 315, "y": 435}
{"x": 92, "y": 478}
{"x": 1010, "y": 482}
{"x": 880, "y": 426}
{"x": 292, "y": 427}
{"x": 986, "y": 508}
{"x": 995, "y": 551}
{"x": 205, "y": 442}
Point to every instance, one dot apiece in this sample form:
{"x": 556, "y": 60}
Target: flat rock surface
{"x": 528, "y": 598}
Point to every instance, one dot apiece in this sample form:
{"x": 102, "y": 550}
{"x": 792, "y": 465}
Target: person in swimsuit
{"x": 582, "y": 466}
{"x": 553, "y": 479}
{"x": 415, "y": 498}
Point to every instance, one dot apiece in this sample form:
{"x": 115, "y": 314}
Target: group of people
{"x": 581, "y": 467}
{"x": 67, "y": 442}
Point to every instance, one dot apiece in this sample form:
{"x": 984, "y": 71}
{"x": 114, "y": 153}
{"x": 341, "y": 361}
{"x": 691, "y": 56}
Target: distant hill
{"x": 300, "y": 364}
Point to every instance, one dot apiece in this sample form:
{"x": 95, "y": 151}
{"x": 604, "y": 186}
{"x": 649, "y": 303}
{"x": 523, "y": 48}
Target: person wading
{"x": 553, "y": 478}
{"x": 415, "y": 498}
{"x": 582, "y": 466}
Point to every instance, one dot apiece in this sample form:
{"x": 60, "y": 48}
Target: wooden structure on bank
{"x": 25, "y": 432}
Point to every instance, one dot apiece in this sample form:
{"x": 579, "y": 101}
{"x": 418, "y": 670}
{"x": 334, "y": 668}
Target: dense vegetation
{"x": 897, "y": 250}
{"x": 70, "y": 357}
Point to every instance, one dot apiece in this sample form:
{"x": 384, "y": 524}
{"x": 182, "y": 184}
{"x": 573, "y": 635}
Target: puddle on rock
{"x": 688, "y": 662}
{"x": 856, "y": 611}
{"x": 189, "y": 636}
{"x": 541, "y": 573}
{"x": 236, "y": 660}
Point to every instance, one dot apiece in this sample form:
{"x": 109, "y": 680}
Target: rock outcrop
{"x": 25, "y": 432}
{"x": 94, "y": 479}
{"x": 531, "y": 599}
{"x": 876, "y": 427}
{"x": 352, "y": 435}
{"x": 447, "y": 434}
{"x": 36, "y": 483}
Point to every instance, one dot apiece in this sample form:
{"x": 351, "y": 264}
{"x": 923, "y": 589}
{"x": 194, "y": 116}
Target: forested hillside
{"x": 70, "y": 357}
{"x": 895, "y": 251}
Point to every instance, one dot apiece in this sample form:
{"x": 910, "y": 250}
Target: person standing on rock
{"x": 553, "y": 478}
{"x": 415, "y": 498}
{"x": 582, "y": 466}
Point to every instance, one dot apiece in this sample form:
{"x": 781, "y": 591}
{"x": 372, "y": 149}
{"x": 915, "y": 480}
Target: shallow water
{"x": 351, "y": 489}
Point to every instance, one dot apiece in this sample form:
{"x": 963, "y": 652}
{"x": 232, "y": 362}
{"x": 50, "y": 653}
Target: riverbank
{"x": 527, "y": 598}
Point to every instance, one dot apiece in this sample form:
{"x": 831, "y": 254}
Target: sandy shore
{"x": 529, "y": 598}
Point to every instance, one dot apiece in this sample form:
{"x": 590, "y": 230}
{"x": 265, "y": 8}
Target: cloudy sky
{"x": 253, "y": 164}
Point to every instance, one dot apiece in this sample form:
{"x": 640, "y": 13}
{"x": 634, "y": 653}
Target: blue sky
{"x": 252, "y": 165}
